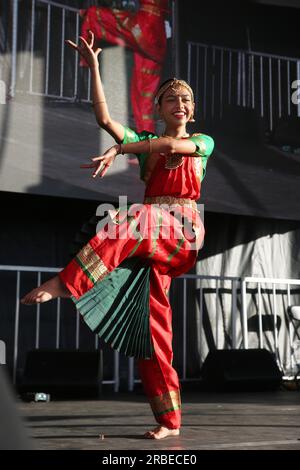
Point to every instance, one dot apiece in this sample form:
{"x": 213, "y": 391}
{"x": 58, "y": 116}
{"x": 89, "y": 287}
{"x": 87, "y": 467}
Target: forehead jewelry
{"x": 173, "y": 84}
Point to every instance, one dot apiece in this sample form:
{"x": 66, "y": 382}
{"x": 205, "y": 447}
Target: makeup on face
{"x": 178, "y": 103}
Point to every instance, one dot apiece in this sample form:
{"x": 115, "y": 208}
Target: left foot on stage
{"x": 49, "y": 290}
{"x": 161, "y": 432}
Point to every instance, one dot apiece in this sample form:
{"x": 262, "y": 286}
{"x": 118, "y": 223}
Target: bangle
{"x": 98, "y": 102}
{"x": 119, "y": 148}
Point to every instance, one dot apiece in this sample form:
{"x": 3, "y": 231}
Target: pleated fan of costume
{"x": 117, "y": 309}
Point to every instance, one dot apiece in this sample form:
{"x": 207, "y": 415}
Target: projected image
{"x": 246, "y": 83}
{"x": 48, "y": 125}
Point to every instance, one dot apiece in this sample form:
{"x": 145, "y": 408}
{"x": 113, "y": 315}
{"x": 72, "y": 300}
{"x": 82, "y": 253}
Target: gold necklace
{"x": 177, "y": 138}
{"x": 173, "y": 161}
{"x": 176, "y": 160}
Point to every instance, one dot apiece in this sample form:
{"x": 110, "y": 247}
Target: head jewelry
{"x": 173, "y": 84}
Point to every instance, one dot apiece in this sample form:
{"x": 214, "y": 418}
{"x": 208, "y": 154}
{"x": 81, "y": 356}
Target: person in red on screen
{"x": 120, "y": 283}
{"x": 143, "y": 32}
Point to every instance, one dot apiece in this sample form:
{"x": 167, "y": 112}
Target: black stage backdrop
{"x": 255, "y": 169}
{"x": 251, "y": 173}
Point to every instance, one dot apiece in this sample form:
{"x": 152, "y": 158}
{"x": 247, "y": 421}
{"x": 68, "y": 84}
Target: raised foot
{"x": 49, "y": 290}
{"x": 161, "y": 432}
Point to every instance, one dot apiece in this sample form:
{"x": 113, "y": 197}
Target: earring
{"x": 192, "y": 119}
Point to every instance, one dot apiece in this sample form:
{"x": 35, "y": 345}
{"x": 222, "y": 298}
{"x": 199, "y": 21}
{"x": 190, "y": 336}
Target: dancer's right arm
{"x": 114, "y": 128}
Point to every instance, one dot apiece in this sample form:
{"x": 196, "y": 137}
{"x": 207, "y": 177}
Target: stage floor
{"x": 212, "y": 421}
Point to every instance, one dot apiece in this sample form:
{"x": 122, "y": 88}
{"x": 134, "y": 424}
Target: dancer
{"x": 120, "y": 283}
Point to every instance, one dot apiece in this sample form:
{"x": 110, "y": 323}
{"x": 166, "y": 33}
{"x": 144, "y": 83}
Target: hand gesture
{"x": 103, "y": 162}
{"x": 86, "y": 51}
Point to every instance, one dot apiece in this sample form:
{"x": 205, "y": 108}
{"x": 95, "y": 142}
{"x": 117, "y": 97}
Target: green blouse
{"x": 204, "y": 146}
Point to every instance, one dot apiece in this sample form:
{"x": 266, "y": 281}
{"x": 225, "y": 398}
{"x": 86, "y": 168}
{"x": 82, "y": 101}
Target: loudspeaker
{"x": 241, "y": 370}
{"x": 63, "y": 373}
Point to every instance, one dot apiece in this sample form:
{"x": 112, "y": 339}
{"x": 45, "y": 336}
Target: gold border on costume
{"x": 91, "y": 264}
{"x": 169, "y": 401}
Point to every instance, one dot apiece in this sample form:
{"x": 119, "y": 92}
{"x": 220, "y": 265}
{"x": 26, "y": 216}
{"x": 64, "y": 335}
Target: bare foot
{"x": 49, "y": 290}
{"x": 161, "y": 432}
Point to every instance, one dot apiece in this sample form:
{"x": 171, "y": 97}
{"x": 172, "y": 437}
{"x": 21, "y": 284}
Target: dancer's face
{"x": 176, "y": 106}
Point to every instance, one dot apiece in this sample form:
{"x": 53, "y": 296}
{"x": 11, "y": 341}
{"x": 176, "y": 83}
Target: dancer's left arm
{"x": 189, "y": 147}
{"x": 197, "y": 145}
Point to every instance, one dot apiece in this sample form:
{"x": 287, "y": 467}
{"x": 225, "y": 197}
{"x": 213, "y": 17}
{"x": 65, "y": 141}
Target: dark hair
{"x": 161, "y": 85}
{"x": 164, "y": 83}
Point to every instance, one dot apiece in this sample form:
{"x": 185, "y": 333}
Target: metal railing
{"x": 2, "y": 352}
{"x": 183, "y": 282}
{"x": 205, "y": 290}
{"x": 53, "y": 69}
{"x": 18, "y": 270}
{"x": 220, "y": 76}
{"x": 240, "y": 311}
{"x": 271, "y": 286}
{"x": 223, "y": 76}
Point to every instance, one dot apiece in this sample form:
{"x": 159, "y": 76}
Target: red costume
{"x": 108, "y": 291}
{"x": 144, "y": 33}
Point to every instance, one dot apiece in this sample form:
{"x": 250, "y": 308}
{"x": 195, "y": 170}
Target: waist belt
{"x": 171, "y": 201}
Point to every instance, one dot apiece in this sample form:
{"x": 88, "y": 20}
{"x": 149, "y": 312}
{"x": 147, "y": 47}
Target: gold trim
{"x": 147, "y": 94}
{"x": 173, "y": 161}
{"x": 103, "y": 31}
{"x": 151, "y": 9}
{"x": 92, "y": 263}
{"x": 169, "y": 401}
{"x": 198, "y": 166}
{"x": 202, "y": 147}
{"x": 150, "y": 71}
{"x": 119, "y": 16}
{"x": 154, "y": 3}
{"x": 171, "y": 201}
{"x": 146, "y": 117}
{"x": 118, "y": 13}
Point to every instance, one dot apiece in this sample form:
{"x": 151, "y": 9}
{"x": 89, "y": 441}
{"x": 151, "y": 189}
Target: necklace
{"x": 173, "y": 161}
{"x": 176, "y": 160}
{"x": 177, "y": 138}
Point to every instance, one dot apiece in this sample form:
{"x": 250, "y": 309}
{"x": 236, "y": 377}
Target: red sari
{"x": 172, "y": 188}
{"x": 144, "y": 33}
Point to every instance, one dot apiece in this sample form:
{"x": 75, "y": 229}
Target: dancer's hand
{"x": 103, "y": 162}
{"x": 85, "y": 49}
